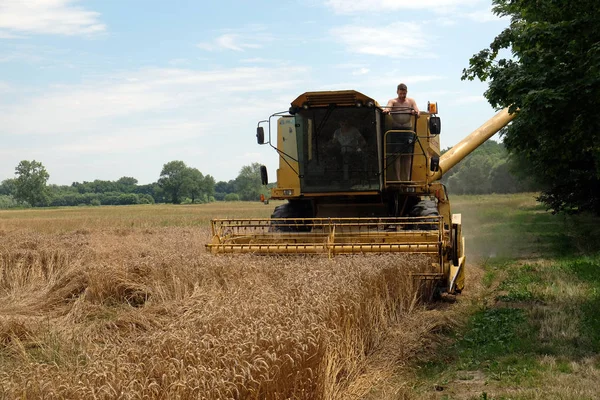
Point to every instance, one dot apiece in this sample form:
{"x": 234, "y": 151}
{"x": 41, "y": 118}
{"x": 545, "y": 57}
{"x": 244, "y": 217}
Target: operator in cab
{"x": 349, "y": 138}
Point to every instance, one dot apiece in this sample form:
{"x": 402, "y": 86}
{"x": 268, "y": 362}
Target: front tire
{"x": 294, "y": 214}
{"x": 425, "y": 208}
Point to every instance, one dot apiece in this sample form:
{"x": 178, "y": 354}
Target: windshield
{"x": 337, "y": 149}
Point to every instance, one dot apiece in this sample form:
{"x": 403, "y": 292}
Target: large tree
{"x": 196, "y": 184}
{"x": 127, "y": 184}
{"x": 30, "y": 183}
{"x": 175, "y": 180}
{"x": 552, "y": 77}
{"x": 248, "y": 183}
{"x": 209, "y": 187}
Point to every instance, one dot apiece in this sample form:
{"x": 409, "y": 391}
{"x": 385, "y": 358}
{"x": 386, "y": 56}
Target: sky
{"x": 101, "y": 89}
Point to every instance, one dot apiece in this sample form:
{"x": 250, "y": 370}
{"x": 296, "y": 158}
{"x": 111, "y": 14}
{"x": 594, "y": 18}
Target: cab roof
{"x": 335, "y": 97}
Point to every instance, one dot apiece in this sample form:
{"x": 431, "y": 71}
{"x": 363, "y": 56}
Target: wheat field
{"x": 125, "y": 303}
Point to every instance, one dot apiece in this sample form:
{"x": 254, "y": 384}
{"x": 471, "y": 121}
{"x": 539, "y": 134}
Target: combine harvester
{"x": 356, "y": 181}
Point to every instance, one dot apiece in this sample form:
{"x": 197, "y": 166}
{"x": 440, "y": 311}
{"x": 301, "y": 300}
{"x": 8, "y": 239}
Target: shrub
{"x": 7, "y": 201}
{"x": 232, "y": 197}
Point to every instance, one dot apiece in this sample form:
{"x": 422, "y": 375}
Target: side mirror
{"x": 435, "y": 125}
{"x": 264, "y": 177}
{"x": 260, "y": 135}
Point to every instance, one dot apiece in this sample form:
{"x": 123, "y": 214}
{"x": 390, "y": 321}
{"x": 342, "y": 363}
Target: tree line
{"x": 177, "y": 184}
{"x": 489, "y": 169}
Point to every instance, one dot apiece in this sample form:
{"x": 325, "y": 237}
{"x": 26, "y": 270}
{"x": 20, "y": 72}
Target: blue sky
{"x": 100, "y": 89}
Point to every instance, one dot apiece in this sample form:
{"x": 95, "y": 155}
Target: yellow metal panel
{"x": 286, "y": 137}
{"x": 434, "y": 145}
{"x": 287, "y": 177}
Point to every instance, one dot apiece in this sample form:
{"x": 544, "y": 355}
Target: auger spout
{"x": 473, "y": 141}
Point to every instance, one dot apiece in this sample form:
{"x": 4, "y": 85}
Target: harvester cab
{"x": 341, "y": 146}
{"x": 357, "y": 179}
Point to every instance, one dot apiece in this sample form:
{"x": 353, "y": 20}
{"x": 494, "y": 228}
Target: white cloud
{"x": 6, "y": 35}
{"x": 252, "y": 37}
{"x": 361, "y": 71}
{"x": 58, "y": 17}
{"x": 378, "y": 6}
{"x": 73, "y": 109}
{"x": 133, "y": 139}
{"x": 234, "y": 42}
{"x": 384, "y": 40}
{"x": 91, "y": 108}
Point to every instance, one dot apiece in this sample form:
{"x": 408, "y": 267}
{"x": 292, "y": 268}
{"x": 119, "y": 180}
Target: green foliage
{"x": 8, "y": 187}
{"x": 145, "y": 199}
{"x": 127, "y": 184}
{"x": 174, "y": 180}
{"x": 29, "y": 188}
{"x": 553, "y": 78}
{"x": 208, "y": 188}
{"x": 30, "y": 184}
{"x": 177, "y": 181}
{"x": 533, "y": 311}
{"x": 223, "y": 188}
{"x": 487, "y": 170}
{"x": 7, "y": 201}
{"x": 199, "y": 187}
{"x": 232, "y": 197}
{"x": 97, "y": 186}
{"x": 248, "y": 184}
{"x": 497, "y": 341}
{"x": 83, "y": 194}
{"x": 518, "y": 287}
{"x": 153, "y": 192}
{"x": 586, "y": 270}
{"x": 491, "y": 334}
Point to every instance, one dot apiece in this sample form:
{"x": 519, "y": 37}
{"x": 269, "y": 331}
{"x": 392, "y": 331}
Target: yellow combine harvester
{"x": 359, "y": 180}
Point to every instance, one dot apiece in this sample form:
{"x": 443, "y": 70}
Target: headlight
{"x": 288, "y": 192}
